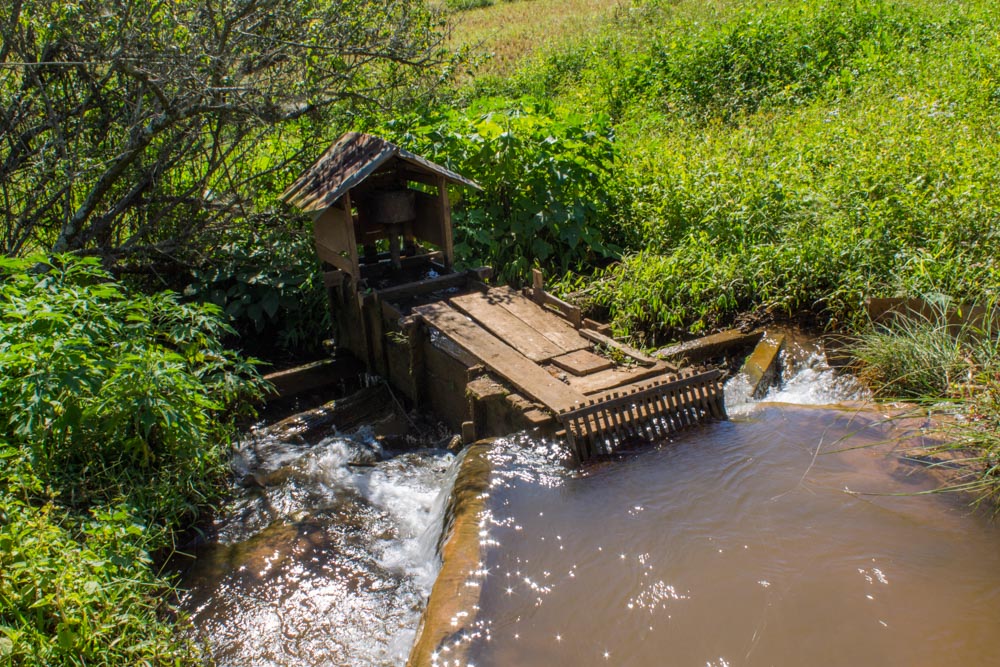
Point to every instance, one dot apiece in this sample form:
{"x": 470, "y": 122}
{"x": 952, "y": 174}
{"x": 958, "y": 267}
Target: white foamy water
{"x": 326, "y": 556}
{"x": 811, "y": 381}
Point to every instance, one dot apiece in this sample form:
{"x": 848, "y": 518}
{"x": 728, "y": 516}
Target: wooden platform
{"x": 602, "y": 391}
{"x": 535, "y": 350}
{"x": 507, "y": 362}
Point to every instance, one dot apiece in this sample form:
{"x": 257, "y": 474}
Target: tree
{"x": 132, "y": 127}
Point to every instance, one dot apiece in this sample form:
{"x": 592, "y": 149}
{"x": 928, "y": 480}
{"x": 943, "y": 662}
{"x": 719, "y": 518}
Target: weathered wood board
{"x": 615, "y": 377}
{"x": 507, "y": 327}
{"x": 522, "y": 373}
{"x": 550, "y": 325}
{"x": 582, "y": 362}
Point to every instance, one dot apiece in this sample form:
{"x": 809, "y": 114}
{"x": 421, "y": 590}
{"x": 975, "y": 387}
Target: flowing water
{"x": 789, "y": 535}
{"x": 321, "y": 561}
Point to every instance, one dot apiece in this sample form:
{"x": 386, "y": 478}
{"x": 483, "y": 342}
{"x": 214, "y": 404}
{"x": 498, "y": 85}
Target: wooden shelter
{"x": 365, "y": 190}
{"x": 489, "y": 360}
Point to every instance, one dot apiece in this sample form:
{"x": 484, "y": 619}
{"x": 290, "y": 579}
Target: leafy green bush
{"x": 78, "y": 589}
{"x": 269, "y": 285}
{"x": 114, "y": 394}
{"x": 115, "y": 412}
{"x": 544, "y": 171}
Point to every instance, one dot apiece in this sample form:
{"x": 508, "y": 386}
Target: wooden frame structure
{"x": 488, "y": 360}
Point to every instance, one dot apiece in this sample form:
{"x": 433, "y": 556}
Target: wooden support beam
{"x": 709, "y": 346}
{"x": 628, "y": 350}
{"x": 446, "y": 232}
{"x": 410, "y": 290}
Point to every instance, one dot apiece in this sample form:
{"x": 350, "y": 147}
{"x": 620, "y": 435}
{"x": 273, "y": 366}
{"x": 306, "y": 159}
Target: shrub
{"x": 113, "y": 394}
{"x": 78, "y": 589}
{"x": 115, "y": 411}
{"x": 544, "y": 171}
{"x": 269, "y": 285}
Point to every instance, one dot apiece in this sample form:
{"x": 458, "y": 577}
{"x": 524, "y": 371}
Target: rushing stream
{"x": 321, "y": 561}
{"x": 790, "y": 535}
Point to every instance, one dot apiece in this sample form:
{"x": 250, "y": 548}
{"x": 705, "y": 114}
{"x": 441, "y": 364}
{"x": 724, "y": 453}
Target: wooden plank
{"x": 527, "y": 376}
{"x": 550, "y": 325}
{"x": 582, "y": 362}
{"x": 506, "y": 326}
{"x": 724, "y": 342}
{"x": 572, "y": 313}
{"x": 763, "y": 366}
{"x": 410, "y": 290}
{"x": 615, "y": 377}
{"x": 627, "y": 350}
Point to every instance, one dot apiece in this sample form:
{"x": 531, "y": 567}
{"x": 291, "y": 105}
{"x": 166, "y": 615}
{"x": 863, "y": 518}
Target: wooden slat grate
{"x": 646, "y": 412}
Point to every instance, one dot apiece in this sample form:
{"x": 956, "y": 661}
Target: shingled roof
{"x": 349, "y": 161}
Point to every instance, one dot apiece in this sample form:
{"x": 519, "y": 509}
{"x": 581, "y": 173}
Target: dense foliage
{"x": 135, "y": 128}
{"x": 269, "y": 285}
{"x": 543, "y": 170}
{"x": 787, "y": 156}
{"x": 115, "y": 414}
{"x": 158, "y": 135}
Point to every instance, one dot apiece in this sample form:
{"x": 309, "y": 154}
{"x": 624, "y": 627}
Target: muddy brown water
{"x": 777, "y": 538}
{"x": 757, "y": 541}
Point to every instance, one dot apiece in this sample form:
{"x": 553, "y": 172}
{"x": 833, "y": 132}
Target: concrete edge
{"x": 454, "y": 601}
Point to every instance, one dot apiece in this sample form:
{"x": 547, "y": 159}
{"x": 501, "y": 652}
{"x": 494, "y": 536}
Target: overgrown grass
{"x": 787, "y": 156}
{"x": 115, "y": 412}
{"x": 950, "y": 365}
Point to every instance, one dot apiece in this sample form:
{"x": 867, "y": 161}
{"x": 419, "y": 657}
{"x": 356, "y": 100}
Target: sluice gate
{"x": 488, "y": 359}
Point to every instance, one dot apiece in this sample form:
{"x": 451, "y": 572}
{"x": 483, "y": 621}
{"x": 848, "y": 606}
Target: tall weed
{"x": 544, "y": 171}
{"x": 114, "y": 394}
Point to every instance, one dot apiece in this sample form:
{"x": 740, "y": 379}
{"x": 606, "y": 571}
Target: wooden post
{"x": 538, "y": 285}
{"x": 352, "y": 246}
{"x": 449, "y": 247}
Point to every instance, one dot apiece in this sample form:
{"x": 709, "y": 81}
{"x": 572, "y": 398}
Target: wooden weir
{"x": 621, "y": 405}
{"x": 650, "y": 412}
{"x": 488, "y": 360}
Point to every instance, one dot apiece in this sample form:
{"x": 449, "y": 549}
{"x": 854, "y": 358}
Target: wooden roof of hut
{"x": 348, "y": 162}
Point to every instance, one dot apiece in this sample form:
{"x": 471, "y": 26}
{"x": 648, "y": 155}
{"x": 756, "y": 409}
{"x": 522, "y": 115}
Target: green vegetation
{"x": 787, "y": 156}
{"x": 116, "y": 409}
{"x": 948, "y": 363}
{"x": 157, "y": 135}
{"x": 543, "y": 170}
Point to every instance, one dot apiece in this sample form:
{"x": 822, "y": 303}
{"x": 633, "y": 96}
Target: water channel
{"x": 792, "y": 534}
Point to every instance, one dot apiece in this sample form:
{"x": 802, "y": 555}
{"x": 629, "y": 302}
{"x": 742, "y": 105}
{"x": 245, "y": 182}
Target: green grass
{"x": 950, "y": 366}
{"x": 787, "y": 156}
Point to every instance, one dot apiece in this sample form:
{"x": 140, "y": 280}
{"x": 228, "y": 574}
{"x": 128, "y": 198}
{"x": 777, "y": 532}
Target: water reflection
{"x": 772, "y": 539}
{"x": 326, "y": 557}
